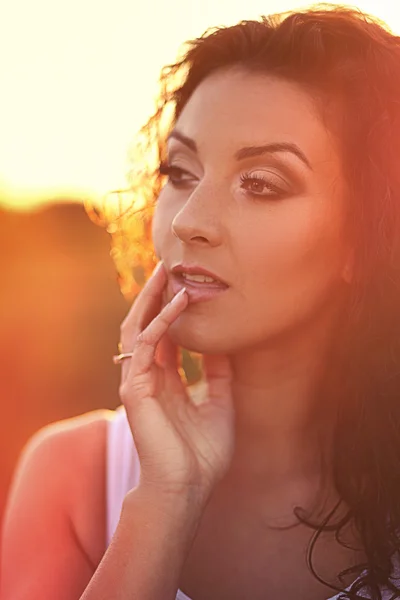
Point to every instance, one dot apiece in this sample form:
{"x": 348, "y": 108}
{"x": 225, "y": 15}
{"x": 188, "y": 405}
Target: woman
{"x": 277, "y": 228}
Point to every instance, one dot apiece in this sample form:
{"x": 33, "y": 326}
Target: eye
{"x": 261, "y": 185}
{"x": 176, "y": 175}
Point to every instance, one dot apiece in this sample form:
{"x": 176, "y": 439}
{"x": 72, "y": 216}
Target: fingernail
{"x": 178, "y": 295}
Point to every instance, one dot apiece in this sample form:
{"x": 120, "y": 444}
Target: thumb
{"x": 218, "y": 373}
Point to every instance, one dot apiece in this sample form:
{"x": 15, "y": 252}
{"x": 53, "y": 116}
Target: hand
{"x": 183, "y": 447}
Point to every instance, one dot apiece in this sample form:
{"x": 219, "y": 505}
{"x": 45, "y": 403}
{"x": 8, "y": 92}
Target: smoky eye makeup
{"x": 259, "y": 176}
{"x": 264, "y": 183}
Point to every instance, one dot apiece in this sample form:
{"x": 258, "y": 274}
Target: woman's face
{"x": 269, "y": 222}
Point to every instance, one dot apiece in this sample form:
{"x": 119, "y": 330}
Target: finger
{"x": 169, "y": 358}
{"x": 218, "y": 375}
{"x": 146, "y": 342}
{"x": 144, "y": 308}
{"x": 147, "y": 304}
{"x": 167, "y": 353}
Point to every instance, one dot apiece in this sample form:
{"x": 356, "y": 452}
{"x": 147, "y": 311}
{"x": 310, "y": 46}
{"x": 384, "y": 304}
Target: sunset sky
{"x": 78, "y": 78}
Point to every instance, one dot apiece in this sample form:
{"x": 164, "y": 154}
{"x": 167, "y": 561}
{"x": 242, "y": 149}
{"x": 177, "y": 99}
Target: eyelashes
{"x": 254, "y": 184}
{"x": 170, "y": 171}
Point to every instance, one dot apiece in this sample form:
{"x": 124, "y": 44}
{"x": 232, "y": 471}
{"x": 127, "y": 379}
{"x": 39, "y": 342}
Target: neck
{"x": 279, "y": 431}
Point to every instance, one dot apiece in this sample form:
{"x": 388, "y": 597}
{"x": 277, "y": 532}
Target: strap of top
{"x": 123, "y": 468}
{"x": 123, "y": 471}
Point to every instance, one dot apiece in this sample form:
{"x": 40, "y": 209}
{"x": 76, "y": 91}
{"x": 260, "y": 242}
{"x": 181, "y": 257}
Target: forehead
{"x": 235, "y": 108}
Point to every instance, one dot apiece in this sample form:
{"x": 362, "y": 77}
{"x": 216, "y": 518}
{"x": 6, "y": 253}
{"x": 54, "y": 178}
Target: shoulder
{"x": 66, "y": 441}
{"x": 60, "y": 432}
{"x": 54, "y": 524}
{"x": 63, "y": 466}
{"x": 74, "y": 447}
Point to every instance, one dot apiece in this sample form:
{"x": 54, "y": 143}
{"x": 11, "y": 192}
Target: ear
{"x": 348, "y": 269}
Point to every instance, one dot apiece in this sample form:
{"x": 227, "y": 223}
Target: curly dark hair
{"x": 350, "y": 63}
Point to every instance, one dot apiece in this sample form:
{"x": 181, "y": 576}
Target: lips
{"x": 199, "y": 284}
{"x": 181, "y": 269}
{"x": 197, "y": 292}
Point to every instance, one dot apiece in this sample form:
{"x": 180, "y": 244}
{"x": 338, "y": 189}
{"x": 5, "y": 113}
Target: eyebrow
{"x": 249, "y": 151}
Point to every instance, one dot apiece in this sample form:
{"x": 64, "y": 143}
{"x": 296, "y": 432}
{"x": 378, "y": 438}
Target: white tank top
{"x": 123, "y": 470}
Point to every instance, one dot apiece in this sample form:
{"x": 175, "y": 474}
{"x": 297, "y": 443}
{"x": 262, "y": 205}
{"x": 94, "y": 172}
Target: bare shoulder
{"x": 66, "y": 429}
{"x": 72, "y": 439}
{"x": 70, "y": 450}
{"x": 78, "y": 445}
{"x": 63, "y": 468}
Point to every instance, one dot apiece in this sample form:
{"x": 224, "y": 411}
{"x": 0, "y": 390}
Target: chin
{"x": 197, "y": 340}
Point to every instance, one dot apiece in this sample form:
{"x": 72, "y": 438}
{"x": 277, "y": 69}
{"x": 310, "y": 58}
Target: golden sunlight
{"x": 78, "y": 78}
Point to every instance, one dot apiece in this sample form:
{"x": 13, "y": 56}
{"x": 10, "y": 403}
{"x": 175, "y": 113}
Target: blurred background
{"x": 77, "y": 80}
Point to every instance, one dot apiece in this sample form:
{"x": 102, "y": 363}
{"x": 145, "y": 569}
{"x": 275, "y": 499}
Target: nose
{"x": 200, "y": 220}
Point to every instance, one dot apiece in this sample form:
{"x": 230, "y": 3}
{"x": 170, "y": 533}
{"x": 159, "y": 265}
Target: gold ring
{"x": 118, "y": 358}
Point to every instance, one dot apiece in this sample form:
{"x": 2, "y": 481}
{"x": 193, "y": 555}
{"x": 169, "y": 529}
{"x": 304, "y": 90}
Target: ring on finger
{"x": 118, "y": 358}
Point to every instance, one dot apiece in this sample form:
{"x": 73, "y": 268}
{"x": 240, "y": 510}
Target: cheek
{"x": 162, "y": 238}
{"x": 295, "y": 263}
